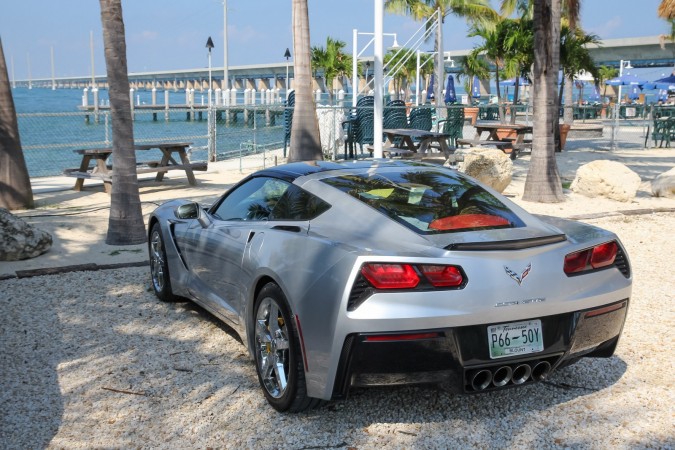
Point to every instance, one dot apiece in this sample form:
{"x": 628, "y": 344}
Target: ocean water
{"x": 51, "y": 127}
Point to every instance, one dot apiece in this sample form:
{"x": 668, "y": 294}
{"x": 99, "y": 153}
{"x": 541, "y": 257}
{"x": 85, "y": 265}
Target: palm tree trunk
{"x": 15, "y": 188}
{"x": 305, "y": 138}
{"x": 543, "y": 182}
{"x": 125, "y": 222}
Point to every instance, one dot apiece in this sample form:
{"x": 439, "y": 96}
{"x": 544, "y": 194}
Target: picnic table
{"x": 103, "y": 171}
{"x": 488, "y": 134}
{"x": 408, "y": 141}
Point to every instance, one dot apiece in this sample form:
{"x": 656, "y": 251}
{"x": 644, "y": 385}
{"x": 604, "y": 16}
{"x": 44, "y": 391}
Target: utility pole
{"x": 226, "y": 79}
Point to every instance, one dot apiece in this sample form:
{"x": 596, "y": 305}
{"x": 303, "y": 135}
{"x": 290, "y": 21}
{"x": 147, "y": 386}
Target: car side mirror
{"x": 187, "y": 211}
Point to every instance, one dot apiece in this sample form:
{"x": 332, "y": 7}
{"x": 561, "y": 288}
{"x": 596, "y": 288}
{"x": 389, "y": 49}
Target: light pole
{"x": 287, "y": 55}
{"x": 209, "y": 45}
{"x": 356, "y": 54}
{"x": 417, "y": 80}
{"x": 617, "y": 107}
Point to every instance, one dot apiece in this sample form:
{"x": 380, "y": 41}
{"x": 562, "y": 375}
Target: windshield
{"x": 429, "y": 201}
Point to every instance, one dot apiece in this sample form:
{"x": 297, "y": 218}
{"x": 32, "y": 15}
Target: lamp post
{"x": 209, "y": 45}
{"x": 417, "y": 80}
{"x": 287, "y": 55}
{"x": 617, "y": 107}
{"x": 356, "y": 54}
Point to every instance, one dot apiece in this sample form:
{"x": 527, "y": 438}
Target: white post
{"x": 166, "y": 105}
{"x": 379, "y": 72}
{"x": 417, "y": 81}
{"x": 85, "y": 97}
{"x": 226, "y": 78}
{"x": 355, "y": 79}
{"x": 218, "y": 92}
{"x": 53, "y": 76}
{"x": 440, "y": 70}
{"x": 154, "y": 94}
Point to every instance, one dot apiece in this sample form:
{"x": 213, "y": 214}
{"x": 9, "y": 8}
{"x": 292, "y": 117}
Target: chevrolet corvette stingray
{"x": 341, "y": 275}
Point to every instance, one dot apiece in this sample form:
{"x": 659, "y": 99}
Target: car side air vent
{"x": 361, "y": 290}
{"x": 621, "y": 262}
{"x": 518, "y": 244}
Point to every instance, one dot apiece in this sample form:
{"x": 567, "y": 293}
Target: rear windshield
{"x": 429, "y": 202}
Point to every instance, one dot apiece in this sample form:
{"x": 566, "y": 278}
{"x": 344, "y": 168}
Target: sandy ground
{"x": 78, "y": 220}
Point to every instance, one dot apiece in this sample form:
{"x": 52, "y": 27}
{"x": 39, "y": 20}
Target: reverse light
{"x": 600, "y": 256}
{"x": 442, "y": 276}
{"x": 390, "y": 276}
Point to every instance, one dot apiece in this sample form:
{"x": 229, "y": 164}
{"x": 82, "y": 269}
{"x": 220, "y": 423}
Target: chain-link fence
{"x": 218, "y": 133}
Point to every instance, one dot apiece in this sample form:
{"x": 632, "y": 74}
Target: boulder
{"x": 664, "y": 184}
{"x": 488, "y": 165}
{"x": 608, "y": 179}
{"x": 19, "y": 240}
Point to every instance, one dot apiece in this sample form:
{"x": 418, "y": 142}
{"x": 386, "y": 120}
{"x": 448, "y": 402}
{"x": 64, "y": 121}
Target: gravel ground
{"x": 93, "y": 360}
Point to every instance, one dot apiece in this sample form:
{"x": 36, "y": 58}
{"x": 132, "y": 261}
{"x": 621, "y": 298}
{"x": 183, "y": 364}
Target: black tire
{"x": 159, "y": 268}
{"x": 276, "y": 345}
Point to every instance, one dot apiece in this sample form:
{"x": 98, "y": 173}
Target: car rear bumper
{"x": 459, "y": 359}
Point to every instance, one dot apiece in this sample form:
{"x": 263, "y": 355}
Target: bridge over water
{"x": 640, "y": 51}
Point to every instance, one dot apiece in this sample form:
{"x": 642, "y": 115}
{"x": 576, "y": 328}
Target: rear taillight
{"x": 600, "y": 256}
{"x": 407, "y": 276}
{"x": 443, "y": 276}
{"x": 390, "y": 276}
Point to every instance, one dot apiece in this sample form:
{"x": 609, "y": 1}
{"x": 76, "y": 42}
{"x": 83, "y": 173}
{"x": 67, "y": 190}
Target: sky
{"x": 172, "y": 34}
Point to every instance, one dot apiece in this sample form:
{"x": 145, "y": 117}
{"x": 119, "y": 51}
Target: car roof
{"x": 295, "y": 170}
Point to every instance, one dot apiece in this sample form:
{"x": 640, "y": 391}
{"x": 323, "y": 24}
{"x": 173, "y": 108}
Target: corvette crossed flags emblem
{"x": 514, "y": 275}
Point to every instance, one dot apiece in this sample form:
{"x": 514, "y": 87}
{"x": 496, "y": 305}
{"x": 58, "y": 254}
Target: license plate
{"x": 513, "y": 339}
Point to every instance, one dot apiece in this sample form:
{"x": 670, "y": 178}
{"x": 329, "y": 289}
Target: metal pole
{"x": 617, "y": 109}
{"x": 53, "y": 78}
{"x": 417, "y": 81}
{"x": 209, "y": 91}
{"x": 440, "y": 69}
{"x": 378, "y": 72}
{"x": 91, "y": 48}
{"x": 355, "y": 80}
{"x": 226, "y": 80}
{"x": 13, "y": 77}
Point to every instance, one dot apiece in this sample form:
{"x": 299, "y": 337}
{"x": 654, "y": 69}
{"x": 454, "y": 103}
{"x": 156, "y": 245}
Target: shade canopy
{"x": 626, "y": 80}
{"x": 450, "y": 94}
{"x": 634, "y": 92}
{"x": 669, "y": 80}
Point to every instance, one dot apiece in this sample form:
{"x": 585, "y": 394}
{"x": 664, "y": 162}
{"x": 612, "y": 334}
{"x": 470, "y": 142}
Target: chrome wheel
{"x": 272, "y": 347}
{"x": 157, "y": 261}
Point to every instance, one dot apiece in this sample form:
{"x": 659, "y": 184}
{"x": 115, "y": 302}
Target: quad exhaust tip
{"x": 502, "y": 375}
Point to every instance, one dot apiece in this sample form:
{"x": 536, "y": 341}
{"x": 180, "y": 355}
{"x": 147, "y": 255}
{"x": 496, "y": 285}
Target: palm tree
{"x": 606, "y": 73}
{"x": 543, "y": 178}
{"x": 474, "y": 10}
{"x": 403, "y": 68}
{"x": 125, "y": 222}
{"x": 472, "y": 66}
{"x": 305, "y": 138}
{"x": 15, "y": 189}
{"x": 333, "y": 61}
{"x": 575, "y": 57}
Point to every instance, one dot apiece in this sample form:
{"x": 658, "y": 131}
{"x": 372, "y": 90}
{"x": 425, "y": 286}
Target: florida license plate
{"x": 513, "y": 339}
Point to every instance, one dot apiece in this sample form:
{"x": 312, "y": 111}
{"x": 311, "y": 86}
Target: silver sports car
{"x": 338, "y": 275}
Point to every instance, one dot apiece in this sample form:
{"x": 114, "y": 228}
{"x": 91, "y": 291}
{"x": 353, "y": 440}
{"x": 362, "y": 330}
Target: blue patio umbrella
{"x": 634, "y": 92}
{"x": 626, "y": 80}
{"x": 669, "y": 80}
{"x": 663, "y": 95}
{"x": 450, "y": 95}
{"x": 430, "y": 88}
{"x": 475, "y": 87}
{"x": 595, "y": 96}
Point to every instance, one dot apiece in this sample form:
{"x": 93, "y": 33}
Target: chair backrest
{"x": 420, "y": 119}
{"x": 394, "y": 115}
{"x": 454, "y": 122}
{"x": 364, "y": 125}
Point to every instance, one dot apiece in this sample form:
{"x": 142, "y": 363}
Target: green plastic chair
{"x": 453, "y": 124}
{"x": 360, "y": 126}
{"x": 288, "y": 119}
{"x": 420, "y": 119}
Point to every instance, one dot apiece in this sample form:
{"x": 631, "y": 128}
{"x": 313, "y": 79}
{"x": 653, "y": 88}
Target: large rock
{"x": 18, "y": 240}
{"x": 608, "y": 179}
{"x": 488, "y": 165}
{"x": 664, "y": 184}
